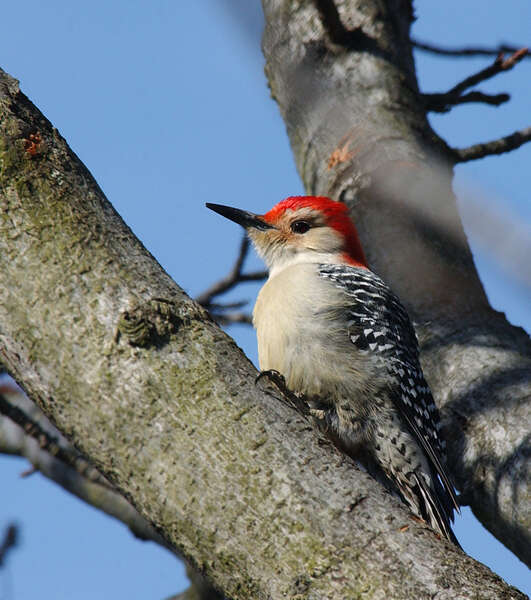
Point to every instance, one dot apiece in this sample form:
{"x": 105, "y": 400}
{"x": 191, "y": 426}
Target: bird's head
{"x": 301, "y": 229}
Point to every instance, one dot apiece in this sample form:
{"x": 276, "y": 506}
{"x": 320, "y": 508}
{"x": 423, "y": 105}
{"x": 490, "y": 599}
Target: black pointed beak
{"x": 242, "y": 217}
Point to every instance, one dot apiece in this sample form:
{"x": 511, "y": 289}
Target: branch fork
{"x": 443, "y": 102}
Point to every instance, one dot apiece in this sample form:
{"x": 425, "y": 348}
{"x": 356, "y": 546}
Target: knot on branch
{"x": 150, "y": 324}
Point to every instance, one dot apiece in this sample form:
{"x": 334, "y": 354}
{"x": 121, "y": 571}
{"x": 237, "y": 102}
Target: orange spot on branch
{"x": 343, "y": 153}
{"x": 33, "y": 144}
{"x": 340, "y": 155}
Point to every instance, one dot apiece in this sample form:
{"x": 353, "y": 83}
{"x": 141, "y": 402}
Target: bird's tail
{"x": 431, "y": 507}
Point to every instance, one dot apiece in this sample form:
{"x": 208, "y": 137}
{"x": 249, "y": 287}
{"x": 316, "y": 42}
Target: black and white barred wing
{"x": 379, "y": 324}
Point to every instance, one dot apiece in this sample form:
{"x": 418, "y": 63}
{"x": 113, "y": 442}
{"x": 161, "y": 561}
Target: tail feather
{"x": 432, "y": 509}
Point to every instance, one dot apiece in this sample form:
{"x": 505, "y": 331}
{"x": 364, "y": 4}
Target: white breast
{"x": 301, "y": 332}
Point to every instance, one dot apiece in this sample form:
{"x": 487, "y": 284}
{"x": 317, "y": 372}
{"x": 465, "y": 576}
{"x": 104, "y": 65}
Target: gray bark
{"x": 351, "y": 85}
{"x": 78, "y": 481}
{"x": 163, "y": 403}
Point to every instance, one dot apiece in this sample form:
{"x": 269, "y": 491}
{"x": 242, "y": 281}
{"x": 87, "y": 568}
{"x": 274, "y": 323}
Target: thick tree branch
{"x": 81, "y": 482}
{"x": 394, "y": 175}
{"x": 499, "y": 146}
{"x": 49, "y": 442}
{"x": 164, "y": 404}
{"x": 71, "y": 471}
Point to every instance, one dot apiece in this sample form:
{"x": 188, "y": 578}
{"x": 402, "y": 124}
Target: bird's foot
{"x": 292, "y": 399}
{"x": 274, "y": 376}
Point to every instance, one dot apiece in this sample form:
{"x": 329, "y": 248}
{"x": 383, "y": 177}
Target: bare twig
{"x": 500, "y": 64}
{"x": 504, "y": 144}
{"x": 444, "y": 102}
{"x": 220, "y": 306}
{"x": 225, "y": 284}
{"x": 466, "y": 51}
{"x": 231, "y": 318}
{"x": 229, "y": 281}
{"x": 48, "y": 442}
{"x": 9, "y": 541}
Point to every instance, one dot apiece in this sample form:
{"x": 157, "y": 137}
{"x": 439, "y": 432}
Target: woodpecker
{"x": 342, "y": 340}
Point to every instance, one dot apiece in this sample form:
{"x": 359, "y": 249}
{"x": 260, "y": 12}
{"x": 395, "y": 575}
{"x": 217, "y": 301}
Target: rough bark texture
{"x": 14, "y": 440}
{"x": 346, "y": 87}
{"x": 164, "y": 404}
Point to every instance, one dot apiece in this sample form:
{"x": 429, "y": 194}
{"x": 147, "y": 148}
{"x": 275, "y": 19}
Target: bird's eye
{"x": 300, "y": 226}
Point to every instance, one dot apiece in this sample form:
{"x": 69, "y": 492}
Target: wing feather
{"x": 379, "y": 324}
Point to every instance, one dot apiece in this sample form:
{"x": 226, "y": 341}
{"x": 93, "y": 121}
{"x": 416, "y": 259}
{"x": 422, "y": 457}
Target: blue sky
{"x": 167, "y": 105}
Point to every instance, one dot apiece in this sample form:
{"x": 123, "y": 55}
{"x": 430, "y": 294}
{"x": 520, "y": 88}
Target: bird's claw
{"x": 294, "y": 399}
{"x": 274, "y": 376}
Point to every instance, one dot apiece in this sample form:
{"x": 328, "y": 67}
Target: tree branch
{"x": 443, "y": 102}
{"x": 499, "y": 146}
{"x": 164, "y": 404}
{"x": 227, "y": 283}
{"x": 15, "y": 439}
{"x": 498, "y": 66}
{"x": 48, "y": 442}
{"x": 465, "y": 51}
{"x": 231, "y": 318}
{"x": 9, "y": 542}
{"x": 96, "y": 491}
{"x": 230, "y": 280}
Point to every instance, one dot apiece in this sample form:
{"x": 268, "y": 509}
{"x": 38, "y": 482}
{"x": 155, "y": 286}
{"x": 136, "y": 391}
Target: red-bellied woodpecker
{"x": 341, "y": 338}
